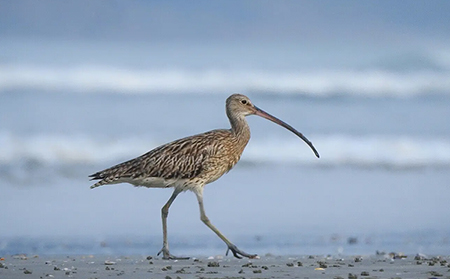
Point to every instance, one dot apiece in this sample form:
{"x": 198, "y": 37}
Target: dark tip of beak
{"x": 272, "y": 118}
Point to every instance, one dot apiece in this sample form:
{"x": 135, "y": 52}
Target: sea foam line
{"x": 93, "y": 78}
{"x": 335, "y": 150}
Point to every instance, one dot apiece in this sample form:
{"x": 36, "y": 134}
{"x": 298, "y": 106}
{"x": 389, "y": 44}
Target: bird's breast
{"x": 219, "y": 164}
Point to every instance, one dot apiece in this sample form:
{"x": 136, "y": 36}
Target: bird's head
{"x": 239, "y": 106}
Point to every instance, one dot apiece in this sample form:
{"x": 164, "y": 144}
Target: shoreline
{"x": 268, "y": 266}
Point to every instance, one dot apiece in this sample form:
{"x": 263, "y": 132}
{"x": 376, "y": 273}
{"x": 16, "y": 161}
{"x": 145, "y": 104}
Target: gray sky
{"x": 141, "y": 20}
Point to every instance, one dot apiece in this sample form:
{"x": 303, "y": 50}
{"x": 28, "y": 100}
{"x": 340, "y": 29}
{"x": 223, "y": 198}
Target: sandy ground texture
{"x": 376, "y": 266}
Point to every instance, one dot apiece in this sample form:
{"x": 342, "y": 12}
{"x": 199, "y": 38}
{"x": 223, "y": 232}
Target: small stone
{"x": 213, "y": 264}
{"x": 434, "y": 273}
{"x": 247, "y": 264}
{"x": 264, "y": 267}
{"x": 420, "y": 257}
{"x": 241, "y": 271}
{"x": 109, "y": 262}
{"x": 149, "y": 258}
{"x": 56, "y": 268}
{"x": 257, "y": 271}
{"x": 290, "y": 264}
{"x": 322, "y": 264}
{"x": 299, "y": 264}
{"x": 358, "y": 259}
{"x": 26, "y": 271}
{"x": 364, "y": 273}
{"x": 181, "y": 271}
{"x": 397, "y": 256}
{"x": 352, "y": 276}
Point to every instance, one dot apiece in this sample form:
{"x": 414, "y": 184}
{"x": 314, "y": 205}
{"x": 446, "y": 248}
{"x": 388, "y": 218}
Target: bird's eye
{"x": 244, "y": 102}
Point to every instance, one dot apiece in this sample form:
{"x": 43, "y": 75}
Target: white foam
{"x": 364, "y": 151}
{"x": 335, "y": 150}
{"x": 91, "y": 79}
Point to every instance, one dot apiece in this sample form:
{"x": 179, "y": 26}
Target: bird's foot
{"x": 168, "y": 256}
{"x": 238, "y": 253}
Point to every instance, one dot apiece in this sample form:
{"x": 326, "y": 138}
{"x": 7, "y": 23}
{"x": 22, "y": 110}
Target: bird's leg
{"x": 164, "y": 214}
{"x": 231, "y": 247}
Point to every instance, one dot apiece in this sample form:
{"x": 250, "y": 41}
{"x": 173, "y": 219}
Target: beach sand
{"x": 268, "y": 266}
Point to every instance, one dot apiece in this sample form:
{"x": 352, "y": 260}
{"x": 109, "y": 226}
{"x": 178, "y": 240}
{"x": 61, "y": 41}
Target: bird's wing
{"x": 181, "y": 159}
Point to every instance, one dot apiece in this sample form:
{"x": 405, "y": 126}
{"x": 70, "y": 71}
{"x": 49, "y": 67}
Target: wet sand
{"x": 376, "y": 266}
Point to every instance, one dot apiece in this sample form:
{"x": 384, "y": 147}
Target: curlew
{"x": 192, "y": 162}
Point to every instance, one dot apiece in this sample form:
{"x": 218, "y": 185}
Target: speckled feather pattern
{"x": 202, "y": 158}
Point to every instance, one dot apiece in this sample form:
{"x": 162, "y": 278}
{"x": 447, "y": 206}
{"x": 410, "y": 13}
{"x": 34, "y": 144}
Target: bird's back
{"x": 203, "y": 157}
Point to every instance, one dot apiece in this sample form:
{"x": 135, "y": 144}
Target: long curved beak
{"x": 272, "y": 118}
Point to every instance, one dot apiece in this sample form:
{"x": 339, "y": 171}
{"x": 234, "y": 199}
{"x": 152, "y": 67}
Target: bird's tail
{"x": 98, "y": 184}
{"x": 98, "y": 176}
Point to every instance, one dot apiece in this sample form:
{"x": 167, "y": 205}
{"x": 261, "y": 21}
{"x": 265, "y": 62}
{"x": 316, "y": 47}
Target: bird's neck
{"x": 240, "y": 129}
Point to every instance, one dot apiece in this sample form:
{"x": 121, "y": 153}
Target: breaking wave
{"x": 91, "y": 79}
{"x": 335, "y": 150}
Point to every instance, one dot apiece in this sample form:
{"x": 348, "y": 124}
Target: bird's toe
{"x": 239, "y": 253}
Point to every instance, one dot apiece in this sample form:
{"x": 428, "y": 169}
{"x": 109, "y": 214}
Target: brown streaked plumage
{"x": 192, "y": 162}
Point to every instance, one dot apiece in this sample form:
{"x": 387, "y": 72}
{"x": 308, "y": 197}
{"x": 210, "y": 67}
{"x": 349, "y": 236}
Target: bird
{"x": 189, "y": 163}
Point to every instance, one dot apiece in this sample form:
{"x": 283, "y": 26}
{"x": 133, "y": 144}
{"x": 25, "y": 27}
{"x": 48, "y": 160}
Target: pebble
{"x": 273, "y": 267}
{"x": 213, "y": 264}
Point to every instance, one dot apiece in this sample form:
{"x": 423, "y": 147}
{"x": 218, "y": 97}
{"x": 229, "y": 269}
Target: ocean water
{"x": 378, "y": 117}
